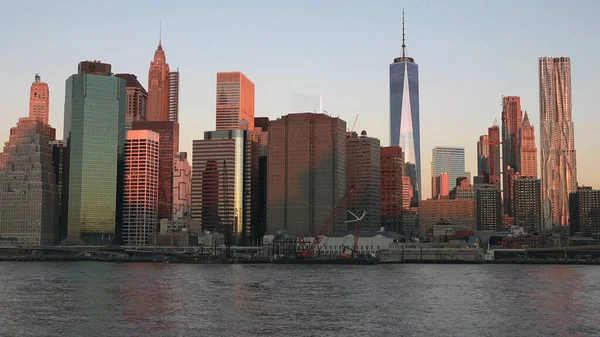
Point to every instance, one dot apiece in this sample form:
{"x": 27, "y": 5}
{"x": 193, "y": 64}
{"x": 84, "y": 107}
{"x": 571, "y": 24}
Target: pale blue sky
{"x": 470, "y": 53}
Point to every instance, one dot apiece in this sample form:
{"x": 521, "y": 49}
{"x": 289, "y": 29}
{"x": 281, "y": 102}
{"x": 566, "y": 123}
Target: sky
{"x": 469, "y": 52}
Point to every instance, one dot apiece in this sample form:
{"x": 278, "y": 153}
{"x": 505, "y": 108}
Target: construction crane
{"x": 354, "y": 124}
{"x": 356, "y": 220}
{"x": 324, "y": 229}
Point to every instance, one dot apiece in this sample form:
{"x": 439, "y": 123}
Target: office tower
{"x": 137, "y": 100}
{"x": 391, "y": 186}
{"x": 94, "y": 133}
{"x": 463, "y": 189}
{"x": 363, "y": 179}
{"x": 307, "y": 103}
{"x": 439, "y": 186}
{"x": 584, "y": 209}
{"x": 174, "y": 96}
{"x": 483, "y": 156}
{"x": 557, "y": 141}
{"x": 494, "y": 155}
{"x": 307, "y": 174}
{"x": 158, "y": 87}
{"x": 489, "y": 208}
{"x": 168, "y": 148}
{"x": 450, "y": 160}
{"x": 407, "y": 193}
{"x": 404, "y": 115}
{"x": 512, "y": 121}
{"x": 225, "y": 184}
{"x": 527, "y": 204}
{"x": 260, "y": 135}
{"x": 140, "y": 201}
{"x": 527, "y": 155}
{"x": 458, "y": 212}
{"x": 235, "y": 101}
{"x": 59, "y": 158}
{"x": 28, "y": 190}
{"x": 39, "y": 100}
{"x": 182, "y": 187}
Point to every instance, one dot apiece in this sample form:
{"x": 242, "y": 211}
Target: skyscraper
{"x": 174, "y": 96}
{"x": 137, "y": 100}
{"x": 362, "y": 179}
{"x": 450, "y": 160}
{"x": 158, "y": 87}
{"x": 39, "y": 100}
{"x": 235, "y": 101}
{"x": 140, "y": 201}
{"x": 494, "y": 155}
{"x": 483, "y": 157}
{"x": 440, "y": 186}
{"x": 94, "y": 133}
{"x": 225, "y": 183}
{"x": 584, "y": 212}
{"x": 182, "y": 187}
{"x": 404, "y": 115}
{"x": 527, "y": 204}
{"x": 557, "y": 140}
{"x": 528, "y": 152}
{"x": 489, "y": 208}
{"x": 28, "y": 190}
{"x": 391, "y": 186}
{"x": 512, "y": 121}
{"x": 168, "y": 148}
{"x": 307, "y": 174}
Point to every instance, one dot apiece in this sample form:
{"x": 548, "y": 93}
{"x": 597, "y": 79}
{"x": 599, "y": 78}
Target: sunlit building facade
{"x": 39, "y": 100}
{"x": 137, "y": 100}
{"x": 306, "y": 175}
{"x": 29, "y": 204}
{"x": 391, "y": 186}
{"x": 94, "y": 133}
{"x": 527, "y": 155}
{"x": 158, "y": 87}
{"x": 450, "y": 160}
{"x": 174, "y": 96}
{"x": 557, "y": 140}
{"x": 235, "y": 101}
{"x": 404, "y": 115}
{"x": 494, "y": 161}
{"x": 140, "y": 201}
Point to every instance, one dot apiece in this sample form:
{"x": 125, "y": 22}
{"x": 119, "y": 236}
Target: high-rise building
{"x": 59, "y": 152}
{"x": 557, "y": 140}
{"x": 494, "y": 155}
{"x": 512, "y": 121}
{"x": 182, "y": 187}
{"x": 440, "y": 186}
{"x": 158, "y": 87}
{"x": 450, "y": 160}
{"x": 307, "y": 103}
{"x": 483, "y": 156}
{"x": 94, "y": 133}
{"x": 584, "y": 212}
{"x": 527, "y": 155}
{"x": 260, "y": 135}
{"x": 28, "y": 190}
{"x": 140, "y": 196}
{"x": 463, "y": 190}
{"x": 235, "y": 101}
{"x": 168, "y": 148}
{"x": 391, "y": 186}
{"x": 307, "y": 174}
{"x": 39, "y": 100}
{"x": 174, "y": 96}
{"x": 407, "y": 193}
{"x": 137, "y": 100}
{"x": 404, "y": 115}
{"x": 363, "y": 179}
{"x": 225, "y": 184}
{"x": 527, "y": 204}
{"x": 489, "y": 208}
{"x": 509, "y": 177}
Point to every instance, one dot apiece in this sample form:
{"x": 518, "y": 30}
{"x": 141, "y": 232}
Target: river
{"x": 111, "y": 299}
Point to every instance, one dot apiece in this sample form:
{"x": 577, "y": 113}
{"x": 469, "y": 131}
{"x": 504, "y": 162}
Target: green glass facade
{"x": 94, "y": 134}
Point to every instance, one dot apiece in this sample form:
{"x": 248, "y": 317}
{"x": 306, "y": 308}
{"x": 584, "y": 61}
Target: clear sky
{"x": 470, "y": 53}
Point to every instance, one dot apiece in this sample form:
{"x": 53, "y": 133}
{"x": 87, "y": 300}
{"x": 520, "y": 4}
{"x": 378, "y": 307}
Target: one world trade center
{"x": 404, "y": 116}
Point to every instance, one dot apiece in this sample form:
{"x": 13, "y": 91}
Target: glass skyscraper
{"x": 404, "y": 115}
{"x": 450, "y": 160}
{"x": 94, "y": 133}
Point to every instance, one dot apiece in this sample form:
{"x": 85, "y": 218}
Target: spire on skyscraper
{"x": 526, "y": 122}
{"x": 403, "y": 41}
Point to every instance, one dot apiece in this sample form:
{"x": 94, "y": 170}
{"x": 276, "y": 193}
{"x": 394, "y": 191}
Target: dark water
{"x": 105, "y": 299}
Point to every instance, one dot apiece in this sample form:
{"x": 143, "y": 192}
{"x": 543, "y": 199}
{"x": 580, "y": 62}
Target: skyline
{"x": 452, "y": 114}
